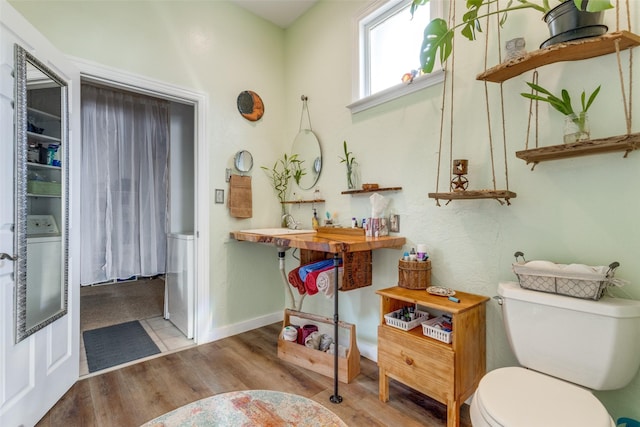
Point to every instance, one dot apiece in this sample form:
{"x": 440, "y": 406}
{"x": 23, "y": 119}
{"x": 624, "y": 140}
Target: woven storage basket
{"x": 545, "y": 276}
{"x": 414, "y": 274}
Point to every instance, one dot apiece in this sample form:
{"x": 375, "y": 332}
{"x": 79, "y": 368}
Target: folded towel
{"x": 326, "y": 281}
{"x": 296, "y": 282}
{"x": 314, "y": 266}
{"x": 310, "y": 280}
{"x": 240, "y": 198}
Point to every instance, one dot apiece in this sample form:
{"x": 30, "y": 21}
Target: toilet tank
{"x": 595, "y": 344}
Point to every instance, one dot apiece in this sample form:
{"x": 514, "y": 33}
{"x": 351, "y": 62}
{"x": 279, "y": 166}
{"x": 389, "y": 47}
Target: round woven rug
{"x": 263, "y": 408}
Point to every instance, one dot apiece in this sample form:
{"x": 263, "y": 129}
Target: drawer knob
{"x": 408, "y": 361}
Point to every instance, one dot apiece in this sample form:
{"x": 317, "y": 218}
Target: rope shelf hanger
{"x": 458, "y": 192}
{"x": 614, "y": 42}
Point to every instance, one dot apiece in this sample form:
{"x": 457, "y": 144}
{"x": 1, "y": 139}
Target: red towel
{"x": 296, "y": 282}
{"x": 310, "y": 280}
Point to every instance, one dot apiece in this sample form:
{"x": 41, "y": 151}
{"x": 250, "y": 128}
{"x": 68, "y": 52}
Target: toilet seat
{"x": 514, "y": 396}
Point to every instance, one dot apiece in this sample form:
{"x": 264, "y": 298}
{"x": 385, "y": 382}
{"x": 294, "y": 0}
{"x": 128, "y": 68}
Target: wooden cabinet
{"x": 449, "y": 373}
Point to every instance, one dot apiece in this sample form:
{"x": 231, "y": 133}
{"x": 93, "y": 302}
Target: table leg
{"x": 453, "y": 413}
{"x": 383, "y": 385}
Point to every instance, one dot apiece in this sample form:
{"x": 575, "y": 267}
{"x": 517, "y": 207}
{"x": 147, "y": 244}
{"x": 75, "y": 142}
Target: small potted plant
{"x": 576, "y": 123}
{"x": 350, "y": 161}
{"x": 281, "y": 173}
{"x": 587, "y": 22}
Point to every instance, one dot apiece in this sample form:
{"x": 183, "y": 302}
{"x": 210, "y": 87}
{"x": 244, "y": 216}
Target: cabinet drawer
{"x": 417, "y": 361}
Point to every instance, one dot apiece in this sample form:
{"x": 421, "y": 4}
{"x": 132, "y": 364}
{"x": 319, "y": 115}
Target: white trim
{"x": 397, "y": 91}
{"x": 368, "y": 14}
{"x": 117, "y": 78}
{"x": 244, "y": 326}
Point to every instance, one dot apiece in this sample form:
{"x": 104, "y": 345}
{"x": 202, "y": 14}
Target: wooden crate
{"x": 316, "y": 360}
{"x": 357, "y": 267}
{"x": 414, "y": 274}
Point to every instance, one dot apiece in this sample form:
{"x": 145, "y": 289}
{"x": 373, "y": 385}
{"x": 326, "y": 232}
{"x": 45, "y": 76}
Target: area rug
{"x": 117, "y": 344}
{"x": 250, "y": 408}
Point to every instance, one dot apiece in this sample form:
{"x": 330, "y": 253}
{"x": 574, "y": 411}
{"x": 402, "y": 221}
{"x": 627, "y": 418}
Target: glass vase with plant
{"x": 439, "y": 37}
{"x": 281, "y": 173}
{"x": 350, "y": 161}
{"x": 576, "y": 123}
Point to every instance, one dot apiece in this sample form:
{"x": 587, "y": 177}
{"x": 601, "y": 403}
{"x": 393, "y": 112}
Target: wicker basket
{"x": 414, "y": 274}
{"x": 558, "y": 279}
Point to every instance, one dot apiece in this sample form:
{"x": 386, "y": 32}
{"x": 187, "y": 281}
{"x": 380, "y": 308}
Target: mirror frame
{"x": 242, "y": 157}
{"x": 311, "y": 165}
{"x": 22, "y": 59}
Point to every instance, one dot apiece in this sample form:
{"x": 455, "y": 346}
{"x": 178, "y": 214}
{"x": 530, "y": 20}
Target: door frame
{"x": 90, "y": 71}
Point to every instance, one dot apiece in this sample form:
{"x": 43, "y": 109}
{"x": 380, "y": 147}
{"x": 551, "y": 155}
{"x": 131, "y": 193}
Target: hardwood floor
{"x": 136, "y": 394}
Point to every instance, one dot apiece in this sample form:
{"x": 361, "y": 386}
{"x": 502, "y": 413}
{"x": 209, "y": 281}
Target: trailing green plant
{"x": 349, "y": 160}
{"x": 438, "y": 37}
{"x": 281, "y": 173}
{"x": 563, "y": 103}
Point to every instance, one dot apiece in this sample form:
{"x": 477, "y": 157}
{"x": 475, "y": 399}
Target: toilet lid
{"x": 519, "y": 397}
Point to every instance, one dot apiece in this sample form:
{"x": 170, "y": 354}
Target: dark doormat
{"x": 117, "y": 344}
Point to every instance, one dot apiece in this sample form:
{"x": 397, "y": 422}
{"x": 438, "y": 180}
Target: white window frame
{"x": 363, "y": 101}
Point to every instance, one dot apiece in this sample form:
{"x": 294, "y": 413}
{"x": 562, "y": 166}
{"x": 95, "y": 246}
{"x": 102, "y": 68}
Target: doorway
{"x": 144, "y": 299}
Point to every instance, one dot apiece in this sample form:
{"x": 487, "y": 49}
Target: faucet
{"x": 290, "y": 221}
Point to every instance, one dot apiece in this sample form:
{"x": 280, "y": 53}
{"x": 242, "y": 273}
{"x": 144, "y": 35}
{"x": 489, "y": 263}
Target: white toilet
{"x": 566, "y": 347}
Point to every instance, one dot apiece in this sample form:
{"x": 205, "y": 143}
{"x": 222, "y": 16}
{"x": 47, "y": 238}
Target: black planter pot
{"x": 567, "y": 23}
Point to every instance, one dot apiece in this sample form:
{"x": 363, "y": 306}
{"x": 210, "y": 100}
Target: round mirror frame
{"x": 243, "y": 161}
{"x": 307, "y": 147}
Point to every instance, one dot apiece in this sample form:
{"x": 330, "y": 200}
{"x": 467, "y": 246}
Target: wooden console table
{"x": 334, "y": 241}
{"x": 449, "y": 373}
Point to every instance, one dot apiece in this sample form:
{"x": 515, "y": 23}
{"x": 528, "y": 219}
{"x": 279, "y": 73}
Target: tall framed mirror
{"x": 41, "y": 195}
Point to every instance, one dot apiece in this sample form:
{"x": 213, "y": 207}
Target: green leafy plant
{"x": 438, "y": 37}
{"x": 563, "y": 104}
{"x": 349, "y": 160}
{"x": 281, "y": 173}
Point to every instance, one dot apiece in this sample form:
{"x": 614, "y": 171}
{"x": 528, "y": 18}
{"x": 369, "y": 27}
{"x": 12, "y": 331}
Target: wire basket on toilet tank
{"x": 574, "y": 280}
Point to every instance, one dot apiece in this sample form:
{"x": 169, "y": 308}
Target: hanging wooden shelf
{"x": 570, "y": 51}
{"x": 475, "y": 194}
{"x": 375, "y": 190}
{"x": 624, "y": 143}
{"x": 296, "y": 202}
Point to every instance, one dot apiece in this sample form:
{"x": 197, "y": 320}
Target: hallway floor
{"x": 142, "y": 300}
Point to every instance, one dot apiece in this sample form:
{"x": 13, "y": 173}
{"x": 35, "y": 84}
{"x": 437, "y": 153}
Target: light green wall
{"x": 577, "y": 210}
{"x": 218, "y": 49}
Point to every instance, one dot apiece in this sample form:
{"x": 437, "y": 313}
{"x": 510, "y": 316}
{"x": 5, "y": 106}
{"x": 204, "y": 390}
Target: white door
{"x": 36, "y": 372}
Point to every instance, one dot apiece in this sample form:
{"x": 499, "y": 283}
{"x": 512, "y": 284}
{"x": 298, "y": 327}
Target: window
{"x": 389, "y": 42}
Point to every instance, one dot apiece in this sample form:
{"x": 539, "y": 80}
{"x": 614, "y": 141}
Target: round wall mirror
{"x": 307, "y": 147}
{"x": 243, "y": 161}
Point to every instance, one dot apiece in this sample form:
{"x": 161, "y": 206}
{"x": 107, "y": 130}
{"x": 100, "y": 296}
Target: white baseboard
{"x": 238, "y": 328}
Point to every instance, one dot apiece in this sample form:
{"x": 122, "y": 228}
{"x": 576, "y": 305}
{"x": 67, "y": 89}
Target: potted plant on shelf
{"x": 569, "y": 20}
{"x": 351, "y": 163}
{"x": 576, "y": 123}
{"x": 280, "y": 175}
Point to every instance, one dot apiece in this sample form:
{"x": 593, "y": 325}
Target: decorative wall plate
{"x": 441, "y": 291}
{"x": 250, "y": 105}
